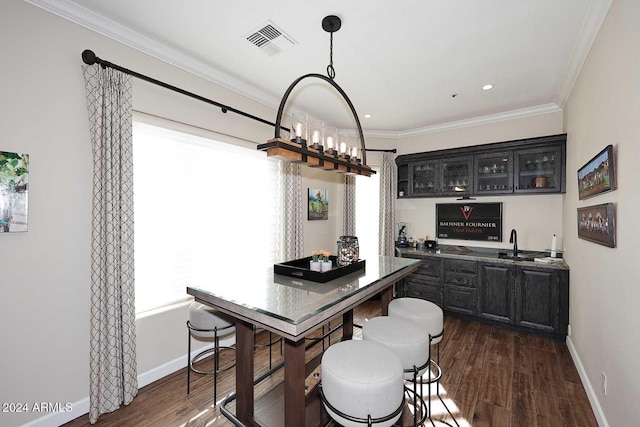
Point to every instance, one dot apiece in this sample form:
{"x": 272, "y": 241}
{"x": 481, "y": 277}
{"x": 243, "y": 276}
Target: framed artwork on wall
{"x": 598, "y": 175}
{"x": 597, "y": 224}
{"x": 469, "y": 221}
{"x": 318, "y": 203}
{"x": 14, "y": 190}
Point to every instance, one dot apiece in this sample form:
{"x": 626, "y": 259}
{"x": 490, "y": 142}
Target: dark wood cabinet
{"x": 460, "y": 279}
{"x": 496, "y": 299}
{"x": 537, "y": 296}
{"x": 425, "y": 282}
{"x": 529, "y": 166}
{"x": 494, "y": 173}
{"x": 524, "y": 297}
{"x": 539, "y": 170}
{"x": 423, "y": 178}
{"x": 460, "y": 299}
{"x": 456, "y": 176}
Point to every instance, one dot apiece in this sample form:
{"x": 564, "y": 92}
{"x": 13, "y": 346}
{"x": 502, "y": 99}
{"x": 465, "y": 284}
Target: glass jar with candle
{"x": 355, "y": 154}
{"x": 299, "y": 127}
{"x": 344, "y": 148}
{"x": 348, "y": 250}
{"x": 330, "y": 139}
{"x": 316, "y": 134}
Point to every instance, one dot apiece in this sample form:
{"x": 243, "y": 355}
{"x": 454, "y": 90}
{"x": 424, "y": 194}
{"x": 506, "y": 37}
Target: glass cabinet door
{"x": 494, "y": 173}
{"x": 423, "y": 177}
{"x": 538, "y": 170}
{"x": 457, "y": 176}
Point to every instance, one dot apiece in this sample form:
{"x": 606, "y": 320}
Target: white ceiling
{"x": 400, "y": 61}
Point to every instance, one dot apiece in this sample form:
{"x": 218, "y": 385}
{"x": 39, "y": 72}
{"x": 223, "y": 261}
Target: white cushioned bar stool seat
{"x": 362, "y": 383}
{"x": 208, "y": 323}
{"x": 425, "y": 313}
{"x": 406, "y": 339}
{"x": 430, "y": 317}
{"x": 410, "y": 343}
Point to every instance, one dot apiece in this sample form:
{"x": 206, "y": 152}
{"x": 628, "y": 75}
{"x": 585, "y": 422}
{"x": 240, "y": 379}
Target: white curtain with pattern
{"x": 112, "y": 365}
{"x": 387, "y": 204}
{"x": 349, "y": 206}
{"x": 292, "y": 226}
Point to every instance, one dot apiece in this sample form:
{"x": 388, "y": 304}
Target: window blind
{"x": 202, "y": 210}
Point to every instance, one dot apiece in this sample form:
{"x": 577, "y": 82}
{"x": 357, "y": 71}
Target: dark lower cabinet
{"x": 525, "y": 297}
{"x": 496, "y": 293}
{"x": 460, "y": 299}
{"x": 537, "y": 295}
{"x": 425, "y": 282}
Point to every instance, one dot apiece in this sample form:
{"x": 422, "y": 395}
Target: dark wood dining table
{"x": 292, "y": 308}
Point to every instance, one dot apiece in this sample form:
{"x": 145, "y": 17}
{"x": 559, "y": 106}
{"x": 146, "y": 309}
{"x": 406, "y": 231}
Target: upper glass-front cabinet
{"x": 531, "y": 166}
{"x": 423, "y": 178}
{"x": 538, "y": 170}
{"x": 494, "y": 173}
{"x": 457, "y": 175}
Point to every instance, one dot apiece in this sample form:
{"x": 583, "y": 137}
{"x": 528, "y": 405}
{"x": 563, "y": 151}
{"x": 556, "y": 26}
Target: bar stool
{"x": 205, "y": 323}
{"x": 430, "y": 317}
{"x": 410, "y": 343}
{"x": 362, "y": 383}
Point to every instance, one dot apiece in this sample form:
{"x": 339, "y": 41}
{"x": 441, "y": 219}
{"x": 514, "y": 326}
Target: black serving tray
{"x": 300, "y": 268}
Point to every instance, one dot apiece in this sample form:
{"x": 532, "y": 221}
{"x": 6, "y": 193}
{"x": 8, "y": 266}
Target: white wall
{"x": 45, "y": 283}
{"x": 536, "y": 218}
{"x": 604, "y": 108}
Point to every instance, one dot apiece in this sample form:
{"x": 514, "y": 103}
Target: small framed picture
{"x": 597, "y": 224}
{"x": 14, "y": 191}
{"x": 598, "y": 175}
{"x": 318, "y": 204}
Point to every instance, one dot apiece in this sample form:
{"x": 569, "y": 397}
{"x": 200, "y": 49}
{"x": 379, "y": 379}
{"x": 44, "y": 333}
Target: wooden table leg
{"x": 347, "y": 325}
{"x": 244, "y": 372}
{"x": 386, "y": 296}
{"x": 294, "y": 401}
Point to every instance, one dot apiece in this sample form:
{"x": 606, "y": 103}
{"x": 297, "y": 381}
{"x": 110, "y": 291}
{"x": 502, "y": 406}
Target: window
{"x": 367, "y": 209}
{"x": 200, "y": 206}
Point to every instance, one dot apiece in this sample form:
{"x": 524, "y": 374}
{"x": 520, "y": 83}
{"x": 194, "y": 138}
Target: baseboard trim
{"x": 591, "y": 394}
{"x": 81, "y": 407}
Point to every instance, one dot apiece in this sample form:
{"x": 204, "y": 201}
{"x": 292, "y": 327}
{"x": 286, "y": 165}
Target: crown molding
{"x": 86, "y": 18}
{"x": 459, "y": 124}
{"x": 590, "y": 28}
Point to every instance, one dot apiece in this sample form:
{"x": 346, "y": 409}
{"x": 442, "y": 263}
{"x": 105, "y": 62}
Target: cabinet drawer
{"x": 460, "y": 299}
{"x": 430, "y": 269}
{"x": 460, "y": 272}
{"x": 424, "y": 290}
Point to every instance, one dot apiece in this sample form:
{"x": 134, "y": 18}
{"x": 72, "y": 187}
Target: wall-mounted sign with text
{"x": 469, "y": 221}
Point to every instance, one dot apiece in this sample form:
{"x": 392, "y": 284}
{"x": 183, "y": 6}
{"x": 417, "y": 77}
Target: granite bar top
{"x": 483, "y": 254}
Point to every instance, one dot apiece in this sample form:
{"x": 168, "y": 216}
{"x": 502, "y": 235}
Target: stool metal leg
{"x": 188, "y": 360}
{"x": 436, "y": 379}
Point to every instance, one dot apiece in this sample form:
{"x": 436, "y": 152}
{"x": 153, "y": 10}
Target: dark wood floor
{"x": 491, "y": 377}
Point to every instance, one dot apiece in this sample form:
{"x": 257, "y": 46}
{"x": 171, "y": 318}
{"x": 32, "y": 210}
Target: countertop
{"x": 473, "y": 253}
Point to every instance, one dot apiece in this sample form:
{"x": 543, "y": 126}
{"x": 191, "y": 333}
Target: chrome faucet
{"x": 514, "y": 239}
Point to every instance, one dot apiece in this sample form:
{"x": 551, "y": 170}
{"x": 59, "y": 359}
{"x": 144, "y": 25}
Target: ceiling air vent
{"x": 270, "y": 39}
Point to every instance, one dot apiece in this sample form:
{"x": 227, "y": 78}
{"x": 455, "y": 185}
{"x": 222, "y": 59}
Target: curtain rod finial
{"x": 89, "y": 57}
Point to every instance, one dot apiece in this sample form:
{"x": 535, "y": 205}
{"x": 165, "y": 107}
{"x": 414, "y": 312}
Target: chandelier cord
{"x": 331, "y": 72}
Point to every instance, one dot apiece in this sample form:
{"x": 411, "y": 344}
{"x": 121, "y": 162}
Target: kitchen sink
{"x": 519, "y": 257}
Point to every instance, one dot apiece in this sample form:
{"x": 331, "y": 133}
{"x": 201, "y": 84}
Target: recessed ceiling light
{"x": 367, "y": 116}
{"x": 487, "y": 87}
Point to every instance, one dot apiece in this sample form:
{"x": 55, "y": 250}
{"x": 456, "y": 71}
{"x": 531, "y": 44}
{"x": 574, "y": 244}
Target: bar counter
{"x": 292, "y": 308}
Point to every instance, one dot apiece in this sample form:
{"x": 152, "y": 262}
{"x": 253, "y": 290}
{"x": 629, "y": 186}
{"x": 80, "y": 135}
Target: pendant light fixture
{"x": 303, "y": 146}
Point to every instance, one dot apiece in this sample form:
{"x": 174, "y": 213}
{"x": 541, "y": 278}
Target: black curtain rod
{"x": 393, "y": 150}
{"x": 90, "y": 58}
